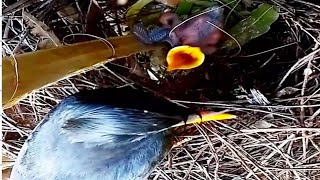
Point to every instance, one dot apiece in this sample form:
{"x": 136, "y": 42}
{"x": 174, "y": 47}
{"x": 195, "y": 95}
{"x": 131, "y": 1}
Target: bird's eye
{"x": 170, "y": 22}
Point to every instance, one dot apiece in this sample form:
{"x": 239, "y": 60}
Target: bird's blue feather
{"x": 97, "y": 135}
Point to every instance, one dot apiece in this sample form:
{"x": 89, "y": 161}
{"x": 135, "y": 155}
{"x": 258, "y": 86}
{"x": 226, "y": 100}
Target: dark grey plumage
{"x": 107, "y": 134}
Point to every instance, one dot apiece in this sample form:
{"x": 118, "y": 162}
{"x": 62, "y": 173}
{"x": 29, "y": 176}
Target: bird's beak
{"x": 184, "y": 57}
{"x": 206, "y": 116}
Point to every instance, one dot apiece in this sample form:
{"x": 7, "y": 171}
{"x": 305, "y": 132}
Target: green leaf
{"x": 232, "y": 4}
{"x": 203, "y": 3}
{"x": 257, "y": 24}
{"x": 136, "y": 7}
{"x": 184, "y": 7}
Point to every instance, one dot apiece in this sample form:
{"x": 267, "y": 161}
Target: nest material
{"x": 277, "y": 133}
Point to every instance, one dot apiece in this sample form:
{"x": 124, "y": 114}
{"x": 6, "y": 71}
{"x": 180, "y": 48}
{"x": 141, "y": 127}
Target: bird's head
{"x": 115, "y": 117}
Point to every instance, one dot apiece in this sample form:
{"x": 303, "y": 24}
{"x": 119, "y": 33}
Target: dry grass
{"x": 274, "y": 138}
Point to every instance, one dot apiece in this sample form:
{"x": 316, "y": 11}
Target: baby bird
{"x": 196, "y": 32}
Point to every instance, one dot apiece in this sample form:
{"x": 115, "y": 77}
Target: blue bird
{"x": 154, "y": 35}
{"x": 104, "y": 134}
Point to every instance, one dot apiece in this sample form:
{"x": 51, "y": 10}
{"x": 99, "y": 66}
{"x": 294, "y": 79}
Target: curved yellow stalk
{"x": 43, "y": 67}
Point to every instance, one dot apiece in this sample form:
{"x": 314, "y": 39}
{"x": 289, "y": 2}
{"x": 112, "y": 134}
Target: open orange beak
{"x": 184, "y": 57}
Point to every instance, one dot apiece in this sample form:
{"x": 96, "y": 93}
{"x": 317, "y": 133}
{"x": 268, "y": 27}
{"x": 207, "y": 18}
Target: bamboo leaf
{"x": 171, "y": 3}
{"x": 203, "y": 3}
{"x": 184, "y": 8}
{"x": 38, "y": 69}
{"x": 257, "y": 24}
{"x": 136, "y": 7}
{"x": 232, "y": 4}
